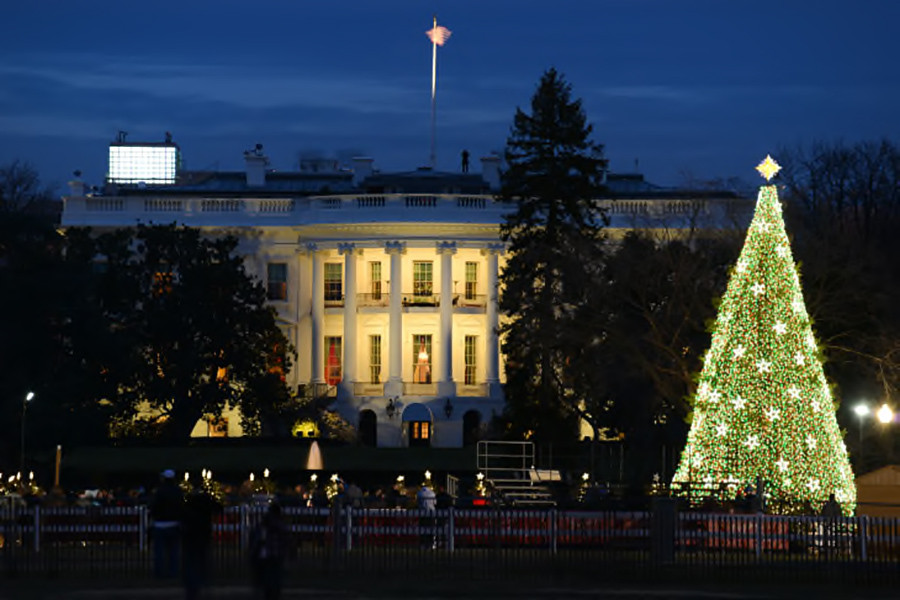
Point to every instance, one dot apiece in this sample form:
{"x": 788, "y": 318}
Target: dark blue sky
{"x": 689, "y": 88}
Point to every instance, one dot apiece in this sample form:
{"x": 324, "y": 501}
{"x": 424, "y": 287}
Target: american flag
{"x": 438, "y": 34}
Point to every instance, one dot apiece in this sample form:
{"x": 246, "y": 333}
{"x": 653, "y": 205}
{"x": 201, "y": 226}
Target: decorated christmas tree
{"x": 763, "y": 411}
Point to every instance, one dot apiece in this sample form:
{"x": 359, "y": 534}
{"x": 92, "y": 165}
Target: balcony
{"x": 380, "y": 299}
{"x": 421, "y": 299}
{"x": 332, "y": 301}
{"x": 368, "y": 389}
{"x": 470, "y": 300}
{"x": 419, "y": 389}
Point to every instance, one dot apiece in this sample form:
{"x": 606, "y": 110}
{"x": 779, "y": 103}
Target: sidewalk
{"x": 49, "y": 591}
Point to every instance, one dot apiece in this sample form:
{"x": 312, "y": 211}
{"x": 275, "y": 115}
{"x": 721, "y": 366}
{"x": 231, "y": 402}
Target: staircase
{"x": 508, "y": 467}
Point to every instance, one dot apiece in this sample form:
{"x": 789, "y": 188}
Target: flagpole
{"x": 433, "y": 90}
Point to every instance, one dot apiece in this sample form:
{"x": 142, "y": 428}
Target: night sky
{"x": 689, "y": 90}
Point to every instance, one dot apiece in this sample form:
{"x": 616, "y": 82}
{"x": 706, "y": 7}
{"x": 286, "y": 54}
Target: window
{"x": 471, "y": 343}
{"x": 162, "y": 283}
{"x": 333, "y": 285}
{"x": 375, "y": 278}
{"x": 471, "y": 280}
{"x": 423, "y": 278}
{"x": 421, "y": 359}
{"x": 216, "y": 426}
{"x": 420, "y": 430}
{"x": 333, "y": 360}
{"x": 374, "y": 359}
{"x": 276, "y": 286}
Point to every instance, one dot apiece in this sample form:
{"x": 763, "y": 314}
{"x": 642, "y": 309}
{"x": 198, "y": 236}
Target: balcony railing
{"x": 419, "y": 389}
{"x": 381, "y": 299}
{"x": 476, "y": 300}
{"x": 332, "y": 301}
{"x": 368, "y": 389}
{"x": 421, "y": 299}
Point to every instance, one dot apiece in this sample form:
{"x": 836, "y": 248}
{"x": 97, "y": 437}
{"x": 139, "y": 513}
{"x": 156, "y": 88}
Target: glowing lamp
{"x": 885, "y": 414}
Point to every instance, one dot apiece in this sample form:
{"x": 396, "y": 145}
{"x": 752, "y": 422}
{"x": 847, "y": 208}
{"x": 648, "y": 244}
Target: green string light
{"x": 763, "y": 408}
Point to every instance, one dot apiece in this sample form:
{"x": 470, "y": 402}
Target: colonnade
{"x": 443, "y": 368}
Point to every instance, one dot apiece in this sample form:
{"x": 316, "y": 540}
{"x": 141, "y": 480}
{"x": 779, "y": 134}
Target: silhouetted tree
{"x": 553, "y": 181}
{"x": 182, "y": 331}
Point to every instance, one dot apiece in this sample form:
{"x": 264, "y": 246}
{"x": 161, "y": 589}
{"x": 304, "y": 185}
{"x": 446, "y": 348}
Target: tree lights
{"x": 763, "y": 409}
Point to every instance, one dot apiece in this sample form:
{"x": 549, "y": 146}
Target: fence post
{"x": 863, "y": 537}
{"x": 451, "y": 532}
{"x": 662, "y": 530}
{"x": 243, "y": 517}
{"x": 553, "y": 530}
{"x": 37, "y": 528}
{"x": 758, "y": 521}
{"x": 142, "y": 527}
{"x": 349, "y": 545}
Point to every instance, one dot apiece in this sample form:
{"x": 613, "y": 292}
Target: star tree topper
{"x": 768, "y": 168}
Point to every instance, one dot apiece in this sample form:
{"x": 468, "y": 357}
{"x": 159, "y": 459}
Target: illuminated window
{"x": 420, "y": 430}
{"x": 471, "y": 343}
{"x": 471, "y": 280}
{"x": 423, "y": 279}
{"x": 421, "y": 358}
{"x": 276, "y": 286}
{"x": 375, "y": 359}
{"x": 375, "y": 279}
{"x": 217, "y": 426}
{"x": 333, "y": 284}
{"x": 333, "y": 360}
{"x": 162, "y": 283}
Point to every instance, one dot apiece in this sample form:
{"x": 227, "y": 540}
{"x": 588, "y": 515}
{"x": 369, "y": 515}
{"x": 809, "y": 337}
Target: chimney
{"x": 490, "y": 171}
{"x": 256, "y": 162}
{"x": 362, "y": 169}
{"x": 76, "y": 186}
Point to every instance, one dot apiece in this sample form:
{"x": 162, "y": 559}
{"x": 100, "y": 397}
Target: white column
{"x": 492, "y": 348}
{"x": 349, "y": 366}
{"x": 394, "y": 384}
{"x": 317, "y": 331}
{"x": 445, "y": 384}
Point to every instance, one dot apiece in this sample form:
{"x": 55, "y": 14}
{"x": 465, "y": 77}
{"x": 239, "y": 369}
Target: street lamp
{"x": 28, "y": 398}
{"x": 885, "y": 414}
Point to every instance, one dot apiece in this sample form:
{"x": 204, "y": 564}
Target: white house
{"x": 385, "y": 283}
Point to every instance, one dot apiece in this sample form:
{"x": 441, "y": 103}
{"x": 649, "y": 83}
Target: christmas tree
{"x": 763, "y": 409}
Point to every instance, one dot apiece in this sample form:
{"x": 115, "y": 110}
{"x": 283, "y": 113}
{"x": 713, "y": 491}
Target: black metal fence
{"x": 483, "y": 545}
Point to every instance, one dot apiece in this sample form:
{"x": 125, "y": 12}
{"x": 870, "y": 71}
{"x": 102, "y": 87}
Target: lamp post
{"x": 28, "y": 398}
{"x": 885, "y": 414}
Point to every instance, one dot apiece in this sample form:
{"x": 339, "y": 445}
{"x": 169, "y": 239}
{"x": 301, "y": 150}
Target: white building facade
{"x": 385, "y": 284}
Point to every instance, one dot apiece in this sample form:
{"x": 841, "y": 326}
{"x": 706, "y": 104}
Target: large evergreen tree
{"x": 763, "y": 409}
{"x": 554, "y": 233}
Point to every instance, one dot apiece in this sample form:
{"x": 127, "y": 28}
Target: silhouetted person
{"x": 166, "y": 510}
{"x": 426, "y": 500}
{"x": 465, "y": 161}
{"x": 268, "y": 551}
{"x": 196, "y": 538}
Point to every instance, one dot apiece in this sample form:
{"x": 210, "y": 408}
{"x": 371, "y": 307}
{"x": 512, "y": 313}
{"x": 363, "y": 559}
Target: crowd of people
{"x": 312, "y": 494}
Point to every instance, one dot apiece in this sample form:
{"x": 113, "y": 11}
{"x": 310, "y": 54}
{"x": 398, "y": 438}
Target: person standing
{"x": 196, "y": 538}
{"x": 269, "y": 544}
{"x": 426, "y": 500}
{"x": 465, "y": 161}
{"x": 166, "y": 510}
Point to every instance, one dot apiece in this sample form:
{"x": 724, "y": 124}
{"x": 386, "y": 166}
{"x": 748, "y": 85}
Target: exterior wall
{"x": 301, "y": 231}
